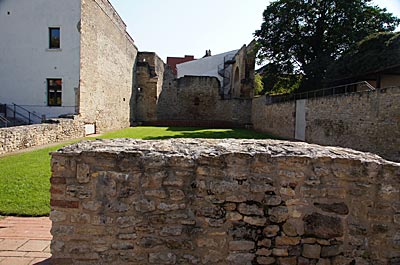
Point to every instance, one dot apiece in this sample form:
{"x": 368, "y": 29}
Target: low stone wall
{"x": 22, "y": 137}
{"x": 187, "y": 201}
{"x": 367, "y": 121}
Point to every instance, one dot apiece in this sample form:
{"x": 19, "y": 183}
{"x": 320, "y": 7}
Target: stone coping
{"x": 194, "y": 148}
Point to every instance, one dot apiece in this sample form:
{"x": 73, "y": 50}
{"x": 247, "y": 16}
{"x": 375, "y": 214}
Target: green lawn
{"x": 24, "y": 178}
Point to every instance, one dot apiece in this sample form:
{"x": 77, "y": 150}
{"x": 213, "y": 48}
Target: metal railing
{"x": 330, "y": 91}
{"x": 19, "y": 114}
{"x": 4, "y": 121}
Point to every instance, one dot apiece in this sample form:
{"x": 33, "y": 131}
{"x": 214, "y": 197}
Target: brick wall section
{"x": 366, "y": 121}
{"x": 187, "y": 201}
{"x": 21, "y": 137}
{"x": 107, "y": 60}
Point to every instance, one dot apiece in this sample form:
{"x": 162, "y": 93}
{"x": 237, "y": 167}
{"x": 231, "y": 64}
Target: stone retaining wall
{"x": 367, "y": 121}
{"x": 186, "y": 201}
{"x": 21, "y": 137}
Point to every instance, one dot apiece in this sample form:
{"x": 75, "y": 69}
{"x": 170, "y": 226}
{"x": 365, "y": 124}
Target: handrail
{"x": 4, "y": 120}
{"x": 29, "y": 112}
{"x": 336, "y": 90}
{"x": 18, "y": 112}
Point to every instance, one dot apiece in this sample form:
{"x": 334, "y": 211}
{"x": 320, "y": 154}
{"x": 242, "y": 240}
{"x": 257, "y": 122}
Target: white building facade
{"x": 40, "y": 55}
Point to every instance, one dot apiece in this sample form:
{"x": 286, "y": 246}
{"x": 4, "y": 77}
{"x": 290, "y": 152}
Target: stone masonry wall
{"x": 196, "y": 98}
{"x": 277, "y": 119}
{"x": 21, "y": 137}
{"x": 150, "y": 78}
{"x": 108, "y": 56}
{"x": 366, "y": 121}
{"x": 243, "y": 202}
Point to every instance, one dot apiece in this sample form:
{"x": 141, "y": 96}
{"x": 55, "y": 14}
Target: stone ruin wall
{"x": 108, "y": 56}
{"x": 187, "y": 201}
{"x": 150, "y": 71}
{"x": 190, "y": 100}
{"x": 21, "y": 137}
{"x": 196, "y": 98}
{"x": 367, "y": 121}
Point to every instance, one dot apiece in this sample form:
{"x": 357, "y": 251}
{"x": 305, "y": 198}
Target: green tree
{"x": 376, "y": 52}
{"x": 258, "y": 84}
{"x": 305, "y": 36}
{"x": 276, "y": 82}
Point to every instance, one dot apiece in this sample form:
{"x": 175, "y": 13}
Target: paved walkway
{"x": 25, "y": 241}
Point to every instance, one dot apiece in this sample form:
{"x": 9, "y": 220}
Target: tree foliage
{"x": 258, "y": 84}
{"x": 278, "y": 83}
{"x": 305, "y": 36}
{"x": 374, "y": 53}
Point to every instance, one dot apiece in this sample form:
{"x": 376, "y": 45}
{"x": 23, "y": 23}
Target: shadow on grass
{"x": 192, "y": 132}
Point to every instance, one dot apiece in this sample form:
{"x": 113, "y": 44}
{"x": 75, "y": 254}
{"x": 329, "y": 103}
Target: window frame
{"x": 51, "y": 44}
{"x": 53, "y": 91}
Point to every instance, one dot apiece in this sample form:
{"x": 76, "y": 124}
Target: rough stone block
{"x": 278, "y": 214}
{"x": 323, "y": 226}
{"x": 311, "y": 251}
{"x": 241, "y": 245}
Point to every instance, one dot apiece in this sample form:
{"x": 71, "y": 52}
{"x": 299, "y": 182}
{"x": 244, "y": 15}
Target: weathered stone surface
{"x": 161, "y": 210}
{"x": 324, "y": 262}
{"x": 258, "y": 221}
{"x": 323, "y": 226}
{"x": 288, "y": 261}
{"x": 264, "y": 243}
{"x": 264, "y": 252}
{"x": 241, "y": 245}
{"x": 339, "y": 208}
{"x": 265, "y": 260}
{"x": 162, "y": 258}
{"x": 289, "y": 229}
{"x": 108, "y": 60}
{"x": 311, "y": 251}
{"x": 272, "y": 200}
{"x": 350, "y": 120}
{"x": 280, "y": 252}
{"x": 271, "y": 230}
{"x": 253, "y": 209}
{"x": 57, "y": 216}
{"x": 287, "y": 241}
{"x": 278, "y": 214}
{"x": 21, "y": 137}
{"x": 240, "y": 258}
{"x": 331, "y": 251}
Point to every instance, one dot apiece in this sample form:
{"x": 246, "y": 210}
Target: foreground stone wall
{"x": 366, "y": 121}
{"x": 21, "y": 137}
{"x": 108, "y": 56}
{"x": 222, "y": 202}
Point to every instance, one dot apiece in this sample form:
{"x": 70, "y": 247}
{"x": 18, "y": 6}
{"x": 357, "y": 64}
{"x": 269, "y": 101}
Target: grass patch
{"x": 25, "y": 177}
{"x": 24, "y": 183}
{"x": 155, "y": 133}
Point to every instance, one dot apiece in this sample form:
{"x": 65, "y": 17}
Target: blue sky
{"x": 179, "y": 27}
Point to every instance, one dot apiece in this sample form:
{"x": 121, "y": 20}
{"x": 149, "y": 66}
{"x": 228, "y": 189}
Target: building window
{"x": 54, "y": 92}
{"x": 54, "y": 38}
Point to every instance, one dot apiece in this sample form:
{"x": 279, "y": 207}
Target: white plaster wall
{"x": 25, "y": 60}
{"x": 207, "y": 66}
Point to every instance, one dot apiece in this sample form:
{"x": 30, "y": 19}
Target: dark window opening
{"x": 54, "y": 92}
{"x": 54, "y": 38}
